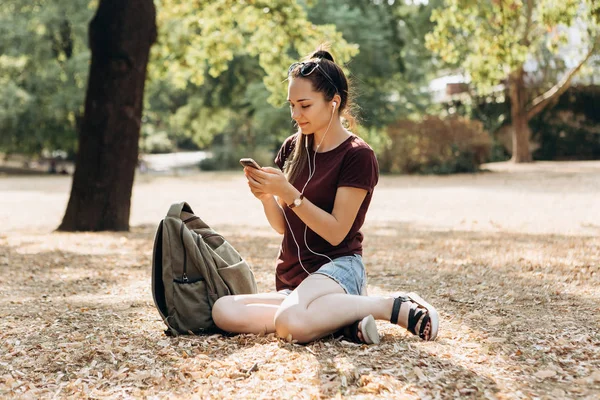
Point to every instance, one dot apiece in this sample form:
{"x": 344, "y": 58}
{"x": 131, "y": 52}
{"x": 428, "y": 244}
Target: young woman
{"x": 318, "y": 199}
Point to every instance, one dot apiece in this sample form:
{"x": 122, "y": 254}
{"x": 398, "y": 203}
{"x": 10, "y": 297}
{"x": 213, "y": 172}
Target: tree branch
{"x": 540, "y": 102}
{"x": 525, "y": 39}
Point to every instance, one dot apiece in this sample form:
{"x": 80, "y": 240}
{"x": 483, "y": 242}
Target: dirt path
{"x": 511, "y": 259}
{"x": 537, "y": 198}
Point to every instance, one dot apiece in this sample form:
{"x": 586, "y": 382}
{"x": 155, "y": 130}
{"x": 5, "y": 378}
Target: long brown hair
{"x": 296, "y": 163}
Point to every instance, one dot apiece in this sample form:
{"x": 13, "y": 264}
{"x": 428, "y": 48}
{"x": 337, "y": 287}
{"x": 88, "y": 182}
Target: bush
{"x": 568, "y": 136}
{"x": 571, "y": 129}
{"x": 435, "y": 146}
{"x": 223, "y": 157}
{"x": 157, "y": 143}
{"x": 376, "y": 137}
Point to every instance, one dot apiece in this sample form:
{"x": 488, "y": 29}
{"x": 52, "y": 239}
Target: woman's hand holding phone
{"x": 263, "y": 182}
{"x": 249, "y": 165}
{"x": 248, "y": 162}
{"x": 259, "y": 194}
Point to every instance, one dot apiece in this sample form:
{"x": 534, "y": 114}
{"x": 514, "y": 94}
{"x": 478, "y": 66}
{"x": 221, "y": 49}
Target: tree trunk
{"x": 120, "y": 36}
{"x": 520, "y": 122}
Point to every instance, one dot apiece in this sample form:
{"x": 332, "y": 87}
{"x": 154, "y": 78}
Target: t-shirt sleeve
{"x": 284, "y": 152}
{"x": 281, "y": 157}
{"x": 360, "y": 170}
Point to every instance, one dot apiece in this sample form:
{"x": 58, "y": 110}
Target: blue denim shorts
{"x": 349, "y": 272}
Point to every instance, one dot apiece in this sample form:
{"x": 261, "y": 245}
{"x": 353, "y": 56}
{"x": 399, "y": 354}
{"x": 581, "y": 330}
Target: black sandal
{"x": 368, "y": 330}
{"x": 416, "y": 315}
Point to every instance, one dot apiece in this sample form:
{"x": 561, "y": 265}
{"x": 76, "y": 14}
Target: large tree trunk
{"x": 120, "y": 36}
{"x": 521, "y": 132}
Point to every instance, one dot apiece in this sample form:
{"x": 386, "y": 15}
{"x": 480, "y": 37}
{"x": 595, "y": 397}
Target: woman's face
{"x": 308, "y": 108}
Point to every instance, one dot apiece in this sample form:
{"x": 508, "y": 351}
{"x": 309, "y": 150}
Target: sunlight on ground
{"x": 519, "y": 310}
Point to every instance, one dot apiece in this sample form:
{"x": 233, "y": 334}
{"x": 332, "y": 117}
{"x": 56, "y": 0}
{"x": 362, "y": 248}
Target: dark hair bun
{"x": 323, "y": 54}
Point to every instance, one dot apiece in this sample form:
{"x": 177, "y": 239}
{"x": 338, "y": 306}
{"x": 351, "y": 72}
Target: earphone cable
{"x": 311, "y": 173}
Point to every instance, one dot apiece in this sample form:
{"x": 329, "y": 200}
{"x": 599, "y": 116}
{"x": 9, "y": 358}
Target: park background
{"x": 483, "y": 115}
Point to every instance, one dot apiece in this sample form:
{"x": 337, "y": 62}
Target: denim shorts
{"x": 348, "y": 271}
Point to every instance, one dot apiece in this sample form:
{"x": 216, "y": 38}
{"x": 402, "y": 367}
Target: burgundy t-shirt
{"x": 352, "y": 163}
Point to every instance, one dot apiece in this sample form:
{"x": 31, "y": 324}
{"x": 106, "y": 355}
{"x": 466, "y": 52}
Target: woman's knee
{"x": 224, "y": 312}
{"x": 295, "y": 323}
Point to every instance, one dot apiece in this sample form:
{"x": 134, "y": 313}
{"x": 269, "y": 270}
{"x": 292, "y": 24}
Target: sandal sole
{"x": 368, "y": 328}
{"x": 434, "y": 318}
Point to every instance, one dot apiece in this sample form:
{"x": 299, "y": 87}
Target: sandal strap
{"x": 352, "y": 331}
{"x": 396, "y": 309}
{"x": 399, "y": 311}
{"x": 349, "y": 332}
{"x": 423, "y": 321}
{"x": 416, "y": 316}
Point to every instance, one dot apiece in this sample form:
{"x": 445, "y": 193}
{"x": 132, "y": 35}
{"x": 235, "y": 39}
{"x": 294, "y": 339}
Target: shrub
{"x": 224, "y": 157}
{"x": 435, "y": 146}
{"x": 157, "y": 143}
{"x": 566, "y": 136}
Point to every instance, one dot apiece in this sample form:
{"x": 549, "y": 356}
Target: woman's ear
{"x": 337, "y": 100}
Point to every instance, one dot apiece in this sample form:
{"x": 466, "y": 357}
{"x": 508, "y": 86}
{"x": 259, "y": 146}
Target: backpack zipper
{"x": 184, "y": 277}
{"x": 209, "y": 281}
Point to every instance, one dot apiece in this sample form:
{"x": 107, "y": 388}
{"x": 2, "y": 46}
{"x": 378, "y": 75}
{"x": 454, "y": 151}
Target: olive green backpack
{"x": 192, "y": 266}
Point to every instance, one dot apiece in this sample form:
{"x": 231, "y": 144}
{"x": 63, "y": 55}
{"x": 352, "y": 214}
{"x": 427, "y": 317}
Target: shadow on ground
{"x": 519, "y": 319}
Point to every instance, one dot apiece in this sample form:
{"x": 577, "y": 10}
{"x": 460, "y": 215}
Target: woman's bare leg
{"x": 250, "y": 313}
{"x": 319, "y": 306}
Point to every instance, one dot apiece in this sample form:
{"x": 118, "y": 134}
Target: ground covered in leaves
{"x": 511, "y": 259}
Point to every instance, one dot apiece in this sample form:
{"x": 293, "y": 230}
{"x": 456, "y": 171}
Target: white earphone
{"x": 334, "y": 104}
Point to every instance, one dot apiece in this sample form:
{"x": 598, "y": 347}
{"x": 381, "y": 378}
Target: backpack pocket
{"x": 226, "y": 255}
{"x": 239, "y": 278}
{"x": 192, "y": 308}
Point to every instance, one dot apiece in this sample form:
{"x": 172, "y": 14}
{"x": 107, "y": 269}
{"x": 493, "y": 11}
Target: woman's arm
{"x": 272, "y": 210}
{"x": 274, "y": 214}
{"x": 333, "y": 226}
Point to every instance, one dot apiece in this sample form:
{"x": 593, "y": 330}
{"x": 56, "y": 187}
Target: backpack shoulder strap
{"x": 176, "y": 209}
{"x": 184, "y": 212}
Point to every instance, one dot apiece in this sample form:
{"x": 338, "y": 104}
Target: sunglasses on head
{"x": 308, "y": 67}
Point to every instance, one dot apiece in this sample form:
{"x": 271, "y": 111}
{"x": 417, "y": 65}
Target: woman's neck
{"x": 331, "y": 139}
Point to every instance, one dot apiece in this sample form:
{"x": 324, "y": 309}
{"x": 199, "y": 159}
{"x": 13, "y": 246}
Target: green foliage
{"x": 493, "y": 38}
{"x": 223, "y": 74}
{"x": 492, "y": 110}
{"x": 202, "y": 37}
{"x": 571, "y": 129}
{"x": 393, "y": 64}
{"x": 217, "y": 74}
{"x": 45, "y": 63}
{"x": 377, "y": 138}
{"x": 199, "y": 122}
{"x": 233, "y": 106}
{"x": 224, "y": 156}
{"x": 154, "y": 141}
{"x": 43, "y": 71}
{"x": 435, "y": 146}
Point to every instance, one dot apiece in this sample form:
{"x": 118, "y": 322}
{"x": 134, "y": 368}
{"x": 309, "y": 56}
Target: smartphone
{"x": 248, "y": 162}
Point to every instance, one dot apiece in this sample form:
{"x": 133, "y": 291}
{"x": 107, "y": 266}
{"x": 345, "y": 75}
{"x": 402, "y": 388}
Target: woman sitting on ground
{"x": 318, "y": 199}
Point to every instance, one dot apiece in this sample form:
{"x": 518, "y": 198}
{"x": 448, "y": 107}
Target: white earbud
{"x": 334, "y": 104}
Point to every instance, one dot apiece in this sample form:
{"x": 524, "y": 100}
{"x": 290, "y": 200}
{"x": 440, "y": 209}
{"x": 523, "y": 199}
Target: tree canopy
{"x": 199, "y": 37}
{"x": 494, "y": 40}
{"x": 217, "y": 67}
{"x": 44, "y": 62}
